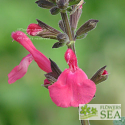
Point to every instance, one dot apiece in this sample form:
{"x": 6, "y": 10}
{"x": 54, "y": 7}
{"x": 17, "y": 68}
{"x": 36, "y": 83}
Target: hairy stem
{"x": 66, "y": 25}
{"x": 68, "y": 31}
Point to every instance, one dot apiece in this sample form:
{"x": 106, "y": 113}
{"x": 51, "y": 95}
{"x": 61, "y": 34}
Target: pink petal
{"x": 42, "y": 61}
{"x": 72, "y": 89}
{"x": 20, "y": 70}
{"x": 33, "y": 29}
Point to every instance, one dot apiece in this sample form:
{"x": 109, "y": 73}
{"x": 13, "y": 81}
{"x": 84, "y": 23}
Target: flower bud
{"x": 74, "y": 18}
{"x": 54, "y": 10}
{"x": 100, "y": 76}
{"x": 69, "y": 9}
{"x": 86, "y": 27}
{"x": 47, "y": 31}
{"x": 63, "y": 38}
{"x": 58, "y": 44}
{"x": 62, "y": 4}
{"x": 45, "y": 4}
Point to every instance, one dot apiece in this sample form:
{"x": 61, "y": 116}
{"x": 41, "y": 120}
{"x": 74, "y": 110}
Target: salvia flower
{"x": 73, "y": 86}
{"x": 20, "y": 70}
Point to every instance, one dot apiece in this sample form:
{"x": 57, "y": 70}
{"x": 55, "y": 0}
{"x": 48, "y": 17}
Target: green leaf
{"x": 119, "y": 122}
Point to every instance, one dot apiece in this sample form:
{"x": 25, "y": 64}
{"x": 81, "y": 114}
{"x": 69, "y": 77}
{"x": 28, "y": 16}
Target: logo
{"x": 100, "y": 112}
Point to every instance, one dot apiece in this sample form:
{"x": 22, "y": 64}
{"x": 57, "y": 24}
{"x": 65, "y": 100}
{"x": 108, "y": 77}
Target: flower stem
{"x": 66, "y": 25}
{"x": 68, "y": 31}
{"x": 71, "y": 45}
{"x": 85, "y": 122}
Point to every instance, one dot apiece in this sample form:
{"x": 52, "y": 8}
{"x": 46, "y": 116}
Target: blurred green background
{"x": 26, "y": 102}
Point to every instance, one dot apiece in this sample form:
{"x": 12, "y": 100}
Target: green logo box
{"x": 100, "y": 112}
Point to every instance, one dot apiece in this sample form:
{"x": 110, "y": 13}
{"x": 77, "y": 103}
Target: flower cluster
{"x": 72, "y": 86}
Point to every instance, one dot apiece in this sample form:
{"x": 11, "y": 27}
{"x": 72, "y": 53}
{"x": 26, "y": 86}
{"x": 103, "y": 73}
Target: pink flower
{"x": 73, "y": 86}
{"x": 20, "y": 70}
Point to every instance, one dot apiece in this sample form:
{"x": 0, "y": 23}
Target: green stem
{"x": 85, "y": 122}
{"x": 66, "y": 25}
{"x": 71, "y": 45}
{"x": 68, "y": 31}
{"x": 72, "y": 30}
